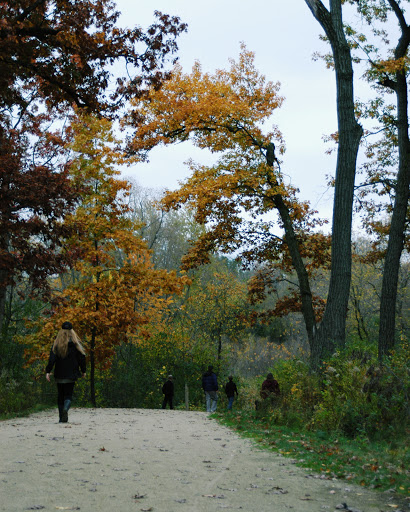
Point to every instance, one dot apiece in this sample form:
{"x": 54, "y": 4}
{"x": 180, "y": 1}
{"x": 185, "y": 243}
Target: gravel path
{"x": 152, "y": 460}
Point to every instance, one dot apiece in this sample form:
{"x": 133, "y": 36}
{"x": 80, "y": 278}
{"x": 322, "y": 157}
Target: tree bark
{"x": 3, "y": 294}
{"x": 388, "y": 299}
{"x": 303, "y": 278}
{"x": 4, "y": 248}
{"x": 92, "y": 368}
{"x": 332, "y": 330}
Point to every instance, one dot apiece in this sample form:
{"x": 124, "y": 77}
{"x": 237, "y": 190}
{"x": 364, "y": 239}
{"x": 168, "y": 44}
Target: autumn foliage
{"x": 56, "y": 55}
{"x": 243, "y": 199}
{"x": 62, "y": 52}
{"x": 113, "y": 291}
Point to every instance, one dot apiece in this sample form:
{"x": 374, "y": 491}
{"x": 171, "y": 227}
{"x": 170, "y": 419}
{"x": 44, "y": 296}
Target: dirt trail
{"x": 152, "y": 460}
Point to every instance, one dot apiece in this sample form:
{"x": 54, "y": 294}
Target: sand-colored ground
{"x": 126, "y": 460}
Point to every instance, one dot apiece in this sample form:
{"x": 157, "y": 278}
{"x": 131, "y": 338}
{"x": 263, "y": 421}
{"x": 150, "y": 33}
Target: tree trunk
{"x": 396, "y": 240}
{"x": 3, "y": 295}
{"x": 186, "y": 397}
{"x": 331, "y": 332}
{"x": 303, "y": 278}
{"x": 92, "y": 368}
{"x": 219, "y": 346}
{"x": 94, "y": 334}
{"x": 4, "y": 248}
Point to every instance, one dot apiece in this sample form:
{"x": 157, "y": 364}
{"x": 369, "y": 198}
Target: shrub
{"x": 299, "y": 392}
{"x": 361, "y": 398}
{"x": 15, "y": 395}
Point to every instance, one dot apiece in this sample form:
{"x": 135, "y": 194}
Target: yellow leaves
{"x": 206, "y": 107}
{"x": 393, "y": 65}
{"x": 116, "y": 291}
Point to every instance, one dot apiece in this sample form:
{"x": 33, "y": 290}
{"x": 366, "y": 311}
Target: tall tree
{"x": 333, "y": 324}
{"x": 55, "y": 54}
{"x": 224, "y": 112}
{"x": 216, "y": 307}
{"x": 385, "y": 56}
{"x": 34, "y": 197}
{"x": 116, "y": 291}
{"x": 392, "y": 74}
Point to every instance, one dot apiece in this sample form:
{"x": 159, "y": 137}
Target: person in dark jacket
{"x": 210, "y": 386}
{"x": 168, "y": 391}
{"x": 231, "y": 390}
{"x": 270, "y": 387}
{"x": 67, "y": 357}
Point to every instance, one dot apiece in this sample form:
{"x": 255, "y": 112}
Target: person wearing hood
{"x": 67, "y": 357}
{"x": 270, "y": 387}
{"x": 168, "y": 392}
{"x": 210, "y": 386}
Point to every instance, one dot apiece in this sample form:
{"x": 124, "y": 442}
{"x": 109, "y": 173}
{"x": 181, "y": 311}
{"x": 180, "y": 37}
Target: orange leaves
{"x": 242, "y": 200}
{"x": 394, "y": 65}
{"x": 115, "y": 291}
{"x": 217, "y": 111}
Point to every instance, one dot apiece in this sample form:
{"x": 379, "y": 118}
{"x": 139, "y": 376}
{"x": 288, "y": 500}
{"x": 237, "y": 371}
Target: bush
{"x": 352, "y": 395}
{"x": 299, "y": 393}
{"x": 361, "y": 398}
{"x": 15, "y": 395}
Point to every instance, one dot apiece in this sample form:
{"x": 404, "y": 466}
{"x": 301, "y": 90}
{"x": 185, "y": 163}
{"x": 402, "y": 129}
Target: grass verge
{"x": 379, "y": 465}
{"x": 25, "y": 412}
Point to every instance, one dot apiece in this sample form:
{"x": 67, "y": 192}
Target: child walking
{"x": 230, "y": 390}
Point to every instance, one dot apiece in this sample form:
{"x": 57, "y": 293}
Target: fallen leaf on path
{"x": 393, "y": 506}
{"x": 68, "y": 508}
{"x": 220, "y": 496}
{"x": 36, "y": 507}
{"x": 147, "y": 509}
{"x": 277, "y": 490}
{"x": 181, "y": 501}
{"x": 138, "y": 496}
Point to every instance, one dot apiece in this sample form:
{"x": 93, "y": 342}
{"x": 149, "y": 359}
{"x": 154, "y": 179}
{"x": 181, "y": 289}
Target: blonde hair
{"x": 60, "y": 345}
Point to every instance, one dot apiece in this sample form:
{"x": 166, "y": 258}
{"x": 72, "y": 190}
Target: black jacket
{"x": 230, "y": 389}
{"x": 71, "y": 367}
{"x": 168, "y": 388}
{"x": 209, "y": 381}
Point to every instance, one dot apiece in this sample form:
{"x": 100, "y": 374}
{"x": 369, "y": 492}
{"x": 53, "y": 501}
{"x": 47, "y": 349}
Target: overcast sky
{"x": 284, "y": 35}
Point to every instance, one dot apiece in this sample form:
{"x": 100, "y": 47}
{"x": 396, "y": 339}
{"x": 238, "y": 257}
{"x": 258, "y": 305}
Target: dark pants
{"x": 167, "y": 399}
{"x": 65, "y": 392}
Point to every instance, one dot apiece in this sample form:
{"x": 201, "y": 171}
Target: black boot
{"x": 60, "y": 412}
{"x": 64, "y": 415}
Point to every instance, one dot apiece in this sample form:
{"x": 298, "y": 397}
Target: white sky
{"x": 284, "y": 35}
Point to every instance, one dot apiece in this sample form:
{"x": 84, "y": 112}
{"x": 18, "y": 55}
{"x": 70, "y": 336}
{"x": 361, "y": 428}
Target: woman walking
{"x": 67, "y": 356}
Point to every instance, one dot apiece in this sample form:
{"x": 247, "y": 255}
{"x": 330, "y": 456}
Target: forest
{"x": 232, "y": 269}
